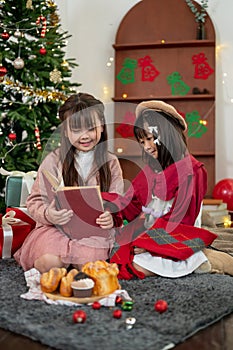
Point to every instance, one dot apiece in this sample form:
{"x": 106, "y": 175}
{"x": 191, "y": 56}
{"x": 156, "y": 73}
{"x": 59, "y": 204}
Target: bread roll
{"x": 65, "y": 285}
{"x": 50, "y": 280}
{"x": 104, "y": 276}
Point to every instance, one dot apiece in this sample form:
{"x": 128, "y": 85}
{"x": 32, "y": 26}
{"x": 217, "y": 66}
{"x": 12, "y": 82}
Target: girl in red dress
{"x": 163, "y": 203}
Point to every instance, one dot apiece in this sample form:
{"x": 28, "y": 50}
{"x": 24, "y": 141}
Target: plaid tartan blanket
{"x": 165, "y": 239}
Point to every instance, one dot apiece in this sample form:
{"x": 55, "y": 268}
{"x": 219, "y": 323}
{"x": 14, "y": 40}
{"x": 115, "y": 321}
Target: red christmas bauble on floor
{"x": 161, "y": 306}
{"x": 79, "y": 316}
{"x": 224, "y": 190}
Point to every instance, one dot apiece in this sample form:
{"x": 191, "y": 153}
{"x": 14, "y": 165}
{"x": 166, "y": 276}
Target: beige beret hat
{"x": 161, "y": 106}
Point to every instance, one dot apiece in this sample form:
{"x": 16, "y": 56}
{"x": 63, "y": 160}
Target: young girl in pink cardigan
{"x": 82, "y": 159}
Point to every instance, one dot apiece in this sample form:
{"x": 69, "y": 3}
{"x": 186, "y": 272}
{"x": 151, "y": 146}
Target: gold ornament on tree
{"x": 55, "y": 76}
{"x": 65, "y": 65}
{"x": 51, "y": 3}
{"x": 29, "y": 5}
{"x": 53, "y": 17}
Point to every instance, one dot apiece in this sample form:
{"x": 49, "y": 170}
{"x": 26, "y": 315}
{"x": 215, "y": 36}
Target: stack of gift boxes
{"x": 16, "y": 224}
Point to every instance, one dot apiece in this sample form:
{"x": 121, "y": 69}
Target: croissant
{"x": 50, "y": 280}
{"x": 104, "y": 276}
{"x": 65, "y": 285}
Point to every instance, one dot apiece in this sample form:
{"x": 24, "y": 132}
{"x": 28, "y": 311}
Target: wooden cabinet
{"x": 157, "y": 56}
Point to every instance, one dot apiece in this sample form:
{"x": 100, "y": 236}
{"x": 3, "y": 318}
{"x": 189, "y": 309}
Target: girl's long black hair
{"x": 172, "y": 145}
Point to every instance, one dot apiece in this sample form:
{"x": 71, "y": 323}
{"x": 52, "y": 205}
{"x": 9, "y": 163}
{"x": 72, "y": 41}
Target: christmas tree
{"x": 34, "y": 81}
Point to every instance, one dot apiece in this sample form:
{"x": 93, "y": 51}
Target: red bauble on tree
{"x": 5, "y": 36}
{"x": 3, "y": 71}
{"x": 12, "y": 136}
{"x": 224, "y": 190}
{"x": 43, "y": 51}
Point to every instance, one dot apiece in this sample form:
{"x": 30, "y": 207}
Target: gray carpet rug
{"x": 194, "y": 302}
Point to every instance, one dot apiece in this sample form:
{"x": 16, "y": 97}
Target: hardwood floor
{"x": 216, "y": 337}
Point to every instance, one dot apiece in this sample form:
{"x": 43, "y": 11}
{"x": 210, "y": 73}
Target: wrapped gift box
{"x": 12, "y": 237}
{"x": 18, "y": 186}
{"x": 17, "y": 191}
{"x": 22, "y": 214}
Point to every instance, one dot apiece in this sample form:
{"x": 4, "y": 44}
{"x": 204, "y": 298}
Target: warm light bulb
{"x": 124, "y": 95}
{"x": 119, "y": 150}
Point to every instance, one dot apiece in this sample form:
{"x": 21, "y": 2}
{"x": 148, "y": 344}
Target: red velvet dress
{"x": 173, "y": 235}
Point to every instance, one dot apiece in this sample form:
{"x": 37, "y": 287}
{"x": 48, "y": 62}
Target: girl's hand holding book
{"x": 105, "y": 220}
{"x": 58, "y": 217}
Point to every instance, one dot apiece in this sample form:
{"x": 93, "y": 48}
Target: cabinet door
{"x": 156, "y": 43}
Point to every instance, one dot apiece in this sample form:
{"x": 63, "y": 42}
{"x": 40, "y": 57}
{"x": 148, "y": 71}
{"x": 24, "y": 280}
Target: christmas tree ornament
{"x": 18, "y": 63}
{"x": 96, "y": 305}
{"x": 55, "y": 76}
{"x": 37, "y": 134}
{"x": 32, "y": 57}
{"x": 79, "y": 316}
{"x": 51, "y": 3}
{"x": 127, "y": 305}
{"x": 42, "y": 22}
{"x": 43, "y": 51}
{"x": 3, "y": 70}
{"x": 161, "y": 306}
{"x": 65, "y": 65}
{"x": 5, "y": 35}
{"x": 29, "y": 5}
{"x": 118, "y": 300}
{"x": 54, "y": 19}
{"x": 130, "y": 322}
{"x": 117, "y": 313}
{"x": 12, "y": 136}
{"x": 17, "y": 33}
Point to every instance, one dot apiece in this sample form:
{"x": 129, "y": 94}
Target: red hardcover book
{"x": 86, "y": 203}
